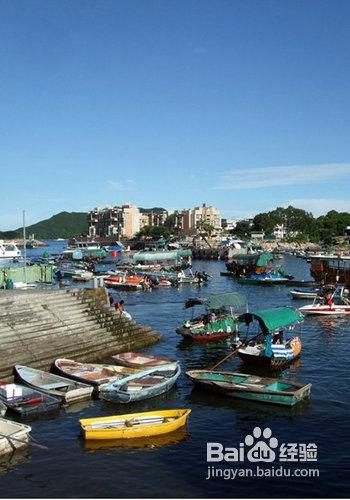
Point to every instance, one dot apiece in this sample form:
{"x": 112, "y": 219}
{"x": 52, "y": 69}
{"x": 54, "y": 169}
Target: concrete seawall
{"x": 36, "y": 327}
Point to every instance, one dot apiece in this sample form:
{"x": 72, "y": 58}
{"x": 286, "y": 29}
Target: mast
{"x": 24, "y": 246}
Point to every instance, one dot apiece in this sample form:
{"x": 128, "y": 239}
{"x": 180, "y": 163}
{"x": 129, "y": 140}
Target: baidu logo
{"x": 261, "y": 446}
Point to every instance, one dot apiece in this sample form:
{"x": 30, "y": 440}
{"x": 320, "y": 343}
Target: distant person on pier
{"x": 119, "y": 307}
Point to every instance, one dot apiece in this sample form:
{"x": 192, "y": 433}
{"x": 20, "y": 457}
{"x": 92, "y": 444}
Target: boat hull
{"x": 139, "y": 360}
{"x": 203, "y": 337}
{"x": 325, "y": 310}
{"x": 90, "y": 373}
{"x": 266, "y": 362}
{"x": 61, "y": 387}
{"x": 32, "y": 403}
{"x": 118, "y": 392}
{"x": 13, "y": 436}
{"x": 164, "y": 422}
{"x": 274, "y": 392}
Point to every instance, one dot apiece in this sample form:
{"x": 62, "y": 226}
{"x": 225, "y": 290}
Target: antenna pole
{"x": 24, "y": 246}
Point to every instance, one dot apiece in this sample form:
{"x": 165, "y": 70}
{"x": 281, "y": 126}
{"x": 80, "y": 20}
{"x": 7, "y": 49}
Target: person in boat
{"x": 278, "y": 337}
{"x": 213, "y": 317}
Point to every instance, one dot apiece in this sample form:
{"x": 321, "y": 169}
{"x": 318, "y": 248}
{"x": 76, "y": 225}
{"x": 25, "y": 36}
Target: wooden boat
{"x": 243, "y": 386}
{"x": 13, "y": 435}
{"x": 219, "y": 319}
{"x": 90, "y": 373}
{"x": 123, "y": 282}
{"x": 267, "y": 350}
{"x": 30, "y": 403}
{"x": 68, "y": 390}
{"x": 140, "y": 360}
{"x": 331, "y": 268}
{"x": 147, "y": 384}
{"x": 303, "y": 294}
{"x": 134, "y": 425}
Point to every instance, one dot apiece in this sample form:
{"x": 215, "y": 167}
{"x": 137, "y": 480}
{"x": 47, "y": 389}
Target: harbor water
{"x": 176, "y": 465}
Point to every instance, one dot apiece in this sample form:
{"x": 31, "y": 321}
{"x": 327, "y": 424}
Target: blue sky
{"x": 240, "y": 104}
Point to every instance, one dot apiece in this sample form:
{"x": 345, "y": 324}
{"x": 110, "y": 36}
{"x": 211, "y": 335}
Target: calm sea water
{"x": 176, "y": 466}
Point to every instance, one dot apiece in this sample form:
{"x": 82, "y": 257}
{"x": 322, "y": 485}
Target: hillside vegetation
{"x": 62, "y": 225}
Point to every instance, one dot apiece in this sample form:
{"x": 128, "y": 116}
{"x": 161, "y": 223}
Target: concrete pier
{"x": 36, "y": 327}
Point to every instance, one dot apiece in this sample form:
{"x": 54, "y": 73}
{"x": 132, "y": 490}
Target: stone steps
{"x": 37, "y": 327}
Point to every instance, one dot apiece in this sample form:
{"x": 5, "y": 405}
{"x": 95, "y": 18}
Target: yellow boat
{"x": 134, "y": 425}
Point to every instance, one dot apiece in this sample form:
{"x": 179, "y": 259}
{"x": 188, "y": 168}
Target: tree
{"x": 242, "y": 229}
{"x": 205, "y": 227}
{"x": 154, "y": 232}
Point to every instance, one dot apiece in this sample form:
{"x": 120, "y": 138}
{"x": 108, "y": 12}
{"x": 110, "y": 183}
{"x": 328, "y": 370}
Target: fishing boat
{"x": 9, "y": 250}
{"x": 13, "y": 435}
{"x": 140, "y": 360}
{"x": 147, "y": 384}
{"x": 26, "y": 402}
{"x": 68, "y": 390}
{"x": 265, "y": 278}
{"x": 269, "y": 349}
{"x": 251, "y": 387}
{"x": 303, "y": 294}
{"x": 90, "y": 373}
{"x": 331, "y": 301}
{"x": 124, "y": 282}
{"x": 218, "y": 321}
{"x": 333, "y": 269}
{"x": 134, "y": 425}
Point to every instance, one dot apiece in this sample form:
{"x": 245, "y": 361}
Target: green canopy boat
{"x": 219, "y": 319}
{"x": 271, "y": 349}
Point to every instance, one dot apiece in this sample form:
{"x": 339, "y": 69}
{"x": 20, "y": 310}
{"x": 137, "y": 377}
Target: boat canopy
{"x": 264, "y": 259}
{"x": 219, "y": 300}
{"x": 160, "y": 256}
{"x": 271, "y": 320}
{"x": 257, "y": 259}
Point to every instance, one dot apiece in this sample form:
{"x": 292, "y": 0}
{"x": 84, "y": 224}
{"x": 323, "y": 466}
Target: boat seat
{"x": 55, "y": 385}
{"x": 253, "y": 380}
{"x": 146, "y": 381}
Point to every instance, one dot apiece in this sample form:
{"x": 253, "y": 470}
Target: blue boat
{"x": 147, "y": 384}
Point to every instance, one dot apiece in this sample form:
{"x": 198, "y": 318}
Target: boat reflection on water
{"x": 12, "y": 460}
{"x": 144, "y": 443}
{"x": 251, "y": 408}
{"x": 78, "y": 406}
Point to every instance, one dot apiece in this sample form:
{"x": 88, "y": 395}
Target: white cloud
{"x": 320, "y": 206}
{"x": 262, "y": 177}
{"x": 120, "y": 186}
{"x": 117, "y": 186}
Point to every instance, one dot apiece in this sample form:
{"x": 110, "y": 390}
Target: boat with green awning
{"x": 269, "y": 347}
{"x": 218, "y": 317}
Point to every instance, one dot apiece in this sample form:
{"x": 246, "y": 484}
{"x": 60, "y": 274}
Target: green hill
{"x": 62, "y": 225}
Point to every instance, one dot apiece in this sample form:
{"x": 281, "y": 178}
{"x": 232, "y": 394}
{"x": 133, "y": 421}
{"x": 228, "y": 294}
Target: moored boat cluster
{"x": 264, "y": 339}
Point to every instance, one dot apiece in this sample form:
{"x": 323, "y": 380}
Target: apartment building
{"x": 187, "y": 221}
{"x": 120, "y": 222}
